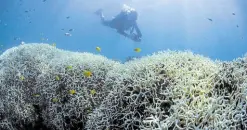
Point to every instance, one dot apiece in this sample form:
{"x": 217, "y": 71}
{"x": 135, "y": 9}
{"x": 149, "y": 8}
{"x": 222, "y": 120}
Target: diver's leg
{"x": 105, "y": 22}
{"x": 102, "y": 18}
{"x": 100, "y": 13}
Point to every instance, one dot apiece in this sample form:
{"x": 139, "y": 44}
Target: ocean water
{"x": 193, "y": 82}
{"x": 165, "y": 24}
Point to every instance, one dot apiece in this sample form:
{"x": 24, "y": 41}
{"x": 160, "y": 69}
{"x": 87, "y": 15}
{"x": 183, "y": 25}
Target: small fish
{"x": 72, "y": 91}
{"x": 233, "y": 14}
{"x": 67, "y": 34}
{"x": 69, "y": 67}
{"x": 54, "y": 100}
{"x": 68, "y": 17}
{"x": 44, "y": 0}
{"x": 210, "y": 19}
{"x": 202, "y": 92}
{"x": 26, "y": 11}
{"x": 87, "y": 73}
{"x": 137, "y": 49}
{"x": 57, "y": 78}
{"x": 54, "y": 44}
{"x": 237, "y": 26}
{"x": 62, "y": 29}
{"x": 15, "y": 38}
{"x": 98, "y": 49}
{"x": 93, "y": 92}
{"x": 89, "y": 111}
{"x": 36, "y": 95}
{"x": 71, "y": 30}
{"x": 22, "y": 78}
{"x": 81, "y": 67}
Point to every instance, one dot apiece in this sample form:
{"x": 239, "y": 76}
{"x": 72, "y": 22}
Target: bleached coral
{"x": 166, "y": 90}
{"x": 29, "y": 85}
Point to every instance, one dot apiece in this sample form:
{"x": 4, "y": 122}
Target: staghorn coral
{"x": 230, "y": 90}
{"x": 30, "y": 99}
{"x": 44, "y": 87}
{"x": 162, "y": 91}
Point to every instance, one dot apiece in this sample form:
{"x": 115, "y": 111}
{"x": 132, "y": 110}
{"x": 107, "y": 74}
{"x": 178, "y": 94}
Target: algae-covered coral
{"x": 45, "y": 87}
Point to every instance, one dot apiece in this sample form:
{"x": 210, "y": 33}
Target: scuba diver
{"x": 124, "y": 23}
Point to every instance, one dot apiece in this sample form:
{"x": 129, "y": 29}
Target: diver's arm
{"x": 123, "y": 33}
{"x": 138, "y": 30}
{"x": 132, "y": 30}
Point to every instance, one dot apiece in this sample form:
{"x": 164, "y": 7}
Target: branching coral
{"x": 35, "y": 85}
{"x": 166, "y": 90}
{"x": 41, "y": 86}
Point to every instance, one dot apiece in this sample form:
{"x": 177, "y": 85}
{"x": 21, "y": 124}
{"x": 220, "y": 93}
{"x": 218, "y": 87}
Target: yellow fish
{"x": 93, "y": 92}
{"x": 72, "y": 91}
{"x": 36, "y": 95}
{"x": 98, "y": 49}
{"x": 22, "y": 78}
{"x": 89, "y": 111}
{"x": 87, "y": 73}
{"x": 53, "y": 44}
{"x": 69, "y": 67}
{"x": 54, "y": 100}
{"x": 137, "y": 49}
{"x": 57, "y": 78}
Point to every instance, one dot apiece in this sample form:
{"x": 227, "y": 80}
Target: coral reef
{"x": 36, "y": 80}
{"x": 42, "y": 87}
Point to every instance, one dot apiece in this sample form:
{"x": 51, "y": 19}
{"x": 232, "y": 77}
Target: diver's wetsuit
{"x": 122, "y": 24}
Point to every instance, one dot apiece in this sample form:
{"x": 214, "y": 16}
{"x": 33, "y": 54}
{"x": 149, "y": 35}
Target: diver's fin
{"x": 98, "y": 12}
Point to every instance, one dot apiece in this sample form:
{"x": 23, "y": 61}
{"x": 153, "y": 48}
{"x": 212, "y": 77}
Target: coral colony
{"x": 42, "y": 87}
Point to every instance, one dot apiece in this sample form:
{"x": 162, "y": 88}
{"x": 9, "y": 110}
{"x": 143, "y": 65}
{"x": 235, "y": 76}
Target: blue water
{"x": 165, "y": 24}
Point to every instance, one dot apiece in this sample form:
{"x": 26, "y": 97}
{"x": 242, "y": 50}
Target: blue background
{"x": 165, "y": 24}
